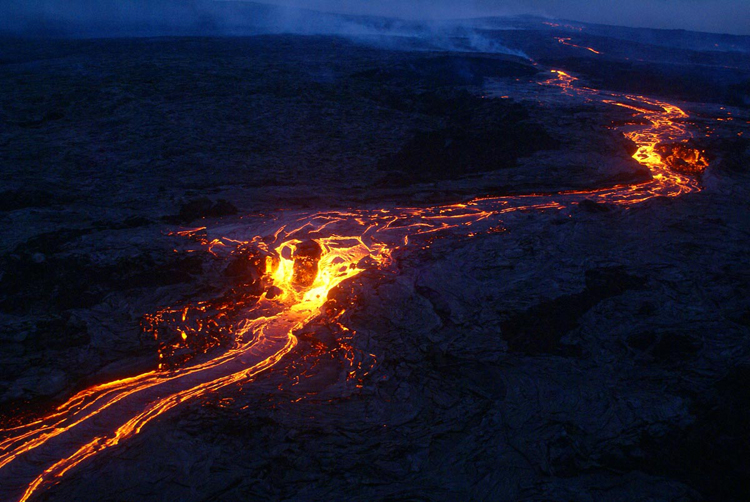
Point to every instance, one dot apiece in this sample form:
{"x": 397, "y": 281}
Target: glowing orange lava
{"x": 567, "y": 26}
{"x": 301, "y": 258}
{"x": 566, "y": 41}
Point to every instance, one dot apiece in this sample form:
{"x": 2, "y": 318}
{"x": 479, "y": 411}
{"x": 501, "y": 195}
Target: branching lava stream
{"x": 295, "y": 261}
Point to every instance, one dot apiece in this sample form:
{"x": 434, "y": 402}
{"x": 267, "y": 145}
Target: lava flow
{"x": 566, "y": 41}
{"x": 286, "y": 270}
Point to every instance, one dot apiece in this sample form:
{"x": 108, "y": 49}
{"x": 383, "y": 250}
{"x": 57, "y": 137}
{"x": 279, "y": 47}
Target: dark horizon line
{"x": 50, "y": 28}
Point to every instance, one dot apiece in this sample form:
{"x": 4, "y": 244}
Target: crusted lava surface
{"x": 540, "y": 286}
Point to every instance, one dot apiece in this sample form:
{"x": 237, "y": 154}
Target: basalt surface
{"x": 591, "y": 352}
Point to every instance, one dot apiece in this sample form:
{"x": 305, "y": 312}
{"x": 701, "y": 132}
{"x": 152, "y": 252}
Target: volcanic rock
{"x": 11, "y": 200}
{"x": 248, "y": 266}
{"x": 569, "y": 358}
{"x": 306, "y": 257}
{"x": 591, "y": 206}
{"x": 202, "y": 207}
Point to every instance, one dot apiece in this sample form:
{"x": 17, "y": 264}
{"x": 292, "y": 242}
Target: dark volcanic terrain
{"x": 583, "y": 351}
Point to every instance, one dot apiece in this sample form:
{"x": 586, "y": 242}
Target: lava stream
{"x": 566, "y": 41}
{"x": 304, "y": 259}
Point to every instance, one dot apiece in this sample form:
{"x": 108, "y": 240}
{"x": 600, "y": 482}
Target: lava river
{"x": 292, "y": 263}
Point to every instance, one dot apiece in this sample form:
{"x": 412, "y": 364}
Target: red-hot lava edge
{"x": 303, "y": 260}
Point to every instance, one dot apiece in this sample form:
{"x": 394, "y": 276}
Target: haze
{"x": 718, "y": 16}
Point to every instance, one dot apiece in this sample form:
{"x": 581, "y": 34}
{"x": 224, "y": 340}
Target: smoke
{"x": 138, "y": 18}
{"x": 717, "y": 16}
{"x": 356, "y": 18}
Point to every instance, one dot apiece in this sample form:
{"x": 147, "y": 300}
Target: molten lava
{"x": 682, "y": 157}
{"x": 566, "y": 41}
{"x": 566, "y": 26}
{"x": 283, "y": 275}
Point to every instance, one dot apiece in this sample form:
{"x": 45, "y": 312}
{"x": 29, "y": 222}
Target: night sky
{"x": 719, "y": 16}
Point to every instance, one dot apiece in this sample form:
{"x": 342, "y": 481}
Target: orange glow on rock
{"x": 286, "y": 276}
{"x": 566, "y": 41}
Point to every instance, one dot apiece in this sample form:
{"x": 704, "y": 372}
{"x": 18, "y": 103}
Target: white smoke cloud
{"x": 144, "y": 17}
{"x": 718, "y": 16}
{"x": 107, "y": 18}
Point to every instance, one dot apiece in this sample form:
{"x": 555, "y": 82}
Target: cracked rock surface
{"x": 595, "y": 353}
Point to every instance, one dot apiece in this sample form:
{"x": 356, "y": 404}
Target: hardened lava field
{"x": 476, "y": 263}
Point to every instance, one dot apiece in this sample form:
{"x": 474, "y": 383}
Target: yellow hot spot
{"x": 282, "y": 276}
